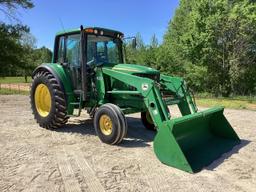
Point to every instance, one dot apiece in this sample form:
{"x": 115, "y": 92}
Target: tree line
{"x": 18, "y": 52}
{"x": 211, "y": 44}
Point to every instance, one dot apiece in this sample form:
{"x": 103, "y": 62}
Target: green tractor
{"x": 88, "y": 72}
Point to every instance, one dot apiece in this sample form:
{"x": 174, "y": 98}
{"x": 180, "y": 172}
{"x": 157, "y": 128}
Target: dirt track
{"x": 16, "y": 86}
{"x": 73, "y": 158}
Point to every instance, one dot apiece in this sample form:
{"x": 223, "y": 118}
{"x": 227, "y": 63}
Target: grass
{"x": 4, "y": 91}
{"x": 240, "y": 102}
{"x": 233, "y": 103}
{"x": 14, "y": 79}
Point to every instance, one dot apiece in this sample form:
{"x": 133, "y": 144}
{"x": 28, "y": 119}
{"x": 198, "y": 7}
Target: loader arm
{"x": 150, "y": 92}
{"x": 183, "y": 97}
{"x": 190, "y": 142}
{"x": 152, "y": 95}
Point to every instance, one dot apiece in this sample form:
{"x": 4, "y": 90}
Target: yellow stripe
{"x": 125, "y": 69}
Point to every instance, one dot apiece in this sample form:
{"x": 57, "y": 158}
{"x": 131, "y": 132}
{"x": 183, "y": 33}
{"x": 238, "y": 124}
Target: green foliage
{"x": 4, "y": 91}
{"x": 14, "y": 4}
{"x": 11, "y": 51}
{"x": 15, "y": 80}
{"x": 137, "y": 55}
{"x": 196, "y": 77}
{"x": 9, "y": 7}
{"x": 227, "y": 103}
{"x": 18, "y": 55}
{"x": 33, "y": 58}
{"x": 143, "y": 54}
{"x": 214, "y": 41}
{"x": 212, "y": 44}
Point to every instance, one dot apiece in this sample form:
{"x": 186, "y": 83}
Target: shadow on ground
{"x": 137, "y": 135}
{"x": 220, "y": 160}
{"x": 83, "y": 127}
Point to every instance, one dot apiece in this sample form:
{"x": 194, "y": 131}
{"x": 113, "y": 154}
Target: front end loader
{"x": 88, "y": 72}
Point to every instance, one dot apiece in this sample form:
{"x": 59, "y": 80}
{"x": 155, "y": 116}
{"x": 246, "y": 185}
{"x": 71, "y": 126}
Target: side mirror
{"x": 134, "y": 43}
{"x": 132, "y": 40}
{"x": 64, "y": 64}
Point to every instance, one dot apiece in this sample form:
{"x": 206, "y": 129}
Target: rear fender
{"x": 63, "y": 80}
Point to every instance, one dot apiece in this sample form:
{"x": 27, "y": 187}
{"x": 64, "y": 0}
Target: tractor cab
{"x": 81, "y": 50}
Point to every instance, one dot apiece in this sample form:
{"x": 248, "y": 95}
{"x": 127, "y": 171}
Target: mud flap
{"x": 194, "y": 141}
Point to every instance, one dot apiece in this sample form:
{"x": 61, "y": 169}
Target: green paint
{"x": 133, "y": 69}
{"x": 189, "y": 143}
{"x": 100, "y": 86}
{"x": 66, "y": 81}
{"x": 194, "y": 141}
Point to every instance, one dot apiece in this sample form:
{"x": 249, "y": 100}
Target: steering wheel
{"x": 93, "y": 60}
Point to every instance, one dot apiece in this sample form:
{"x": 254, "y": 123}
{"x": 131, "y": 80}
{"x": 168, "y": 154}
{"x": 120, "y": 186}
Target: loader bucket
{"x": 194, "y": 141}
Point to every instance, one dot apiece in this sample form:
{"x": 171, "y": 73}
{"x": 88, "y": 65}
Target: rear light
{"x": 89, "y": 30}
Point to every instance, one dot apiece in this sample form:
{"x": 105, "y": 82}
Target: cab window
{"x": 103, "y": 50}
{"x": 73, "y": 50}
{"x": 61, "y": 50}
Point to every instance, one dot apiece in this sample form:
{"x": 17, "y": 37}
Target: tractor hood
{"x": 135, "y": 69}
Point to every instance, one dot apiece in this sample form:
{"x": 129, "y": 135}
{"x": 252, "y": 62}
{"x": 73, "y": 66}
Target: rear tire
{"x": 110, "y": 124}
{"x": 52, "y": 112}
{"x": 147, "y": 121}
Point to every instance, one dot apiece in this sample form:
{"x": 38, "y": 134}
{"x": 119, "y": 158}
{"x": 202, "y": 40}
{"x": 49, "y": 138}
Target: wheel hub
{"x": 42, "y": 100}
{"x": 105, "y": 125}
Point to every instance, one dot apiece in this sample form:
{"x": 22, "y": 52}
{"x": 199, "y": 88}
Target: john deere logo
{"x": 144, "y": 86}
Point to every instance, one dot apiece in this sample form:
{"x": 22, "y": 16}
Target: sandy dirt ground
{"x": 74, "y": 159}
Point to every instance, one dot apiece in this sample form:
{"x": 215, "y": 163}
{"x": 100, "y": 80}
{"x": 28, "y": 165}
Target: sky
{"x": 147, "y": 17}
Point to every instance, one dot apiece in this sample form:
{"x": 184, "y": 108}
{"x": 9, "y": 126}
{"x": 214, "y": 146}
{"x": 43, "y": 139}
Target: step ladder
{"x": 77, "y": 104}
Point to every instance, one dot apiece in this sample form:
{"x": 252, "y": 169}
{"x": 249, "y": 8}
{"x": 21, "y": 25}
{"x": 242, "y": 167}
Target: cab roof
{"x": 77, "y": 30}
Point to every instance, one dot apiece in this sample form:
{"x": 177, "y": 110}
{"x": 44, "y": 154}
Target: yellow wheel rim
{"x": 42, "y": 100}
{"x": 105, "y": 125}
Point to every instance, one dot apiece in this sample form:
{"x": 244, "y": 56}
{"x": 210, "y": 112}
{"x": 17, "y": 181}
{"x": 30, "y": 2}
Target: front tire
{"x": 110, "y": 124}
{"x": 48, "y": 101}
{"x": 147, "y": 121}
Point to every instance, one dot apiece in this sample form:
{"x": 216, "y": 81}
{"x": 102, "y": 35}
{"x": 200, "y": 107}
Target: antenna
{"x": 61, "y": 23}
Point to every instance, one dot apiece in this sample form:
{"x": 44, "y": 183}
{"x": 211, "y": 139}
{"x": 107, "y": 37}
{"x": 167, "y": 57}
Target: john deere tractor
{"x": 88, "y": 72}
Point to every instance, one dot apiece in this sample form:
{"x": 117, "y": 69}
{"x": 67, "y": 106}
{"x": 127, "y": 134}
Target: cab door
{"x": 72, "y": 47}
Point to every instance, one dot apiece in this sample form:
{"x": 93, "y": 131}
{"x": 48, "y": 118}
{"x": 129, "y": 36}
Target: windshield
{"x": 103, "y": 50}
